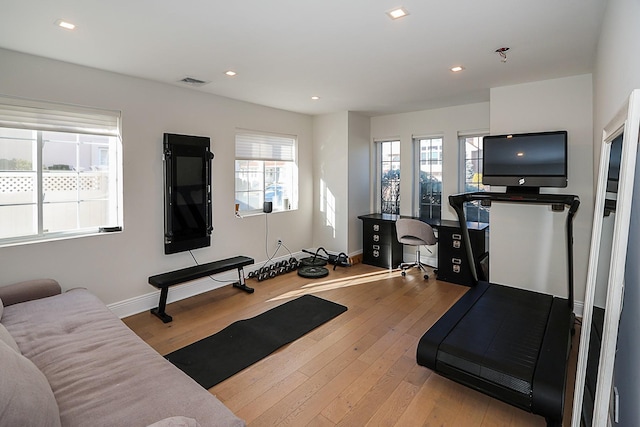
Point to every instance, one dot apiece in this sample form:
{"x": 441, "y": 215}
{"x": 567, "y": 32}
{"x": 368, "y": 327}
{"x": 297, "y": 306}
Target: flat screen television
{"x": 187, "y": 196}
{"x": 525, "y": 162}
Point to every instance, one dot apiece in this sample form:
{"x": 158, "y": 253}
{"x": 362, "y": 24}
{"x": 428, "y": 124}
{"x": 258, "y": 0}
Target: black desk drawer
{"x": 453, "y": 265}
{"x": 380, "y": 246}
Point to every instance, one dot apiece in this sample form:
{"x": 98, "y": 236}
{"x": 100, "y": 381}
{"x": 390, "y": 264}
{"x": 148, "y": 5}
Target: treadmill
{"x": 511, "y": 344}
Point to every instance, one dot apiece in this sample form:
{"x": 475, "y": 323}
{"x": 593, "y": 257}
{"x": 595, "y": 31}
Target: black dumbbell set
{"x": 275, "y": 269}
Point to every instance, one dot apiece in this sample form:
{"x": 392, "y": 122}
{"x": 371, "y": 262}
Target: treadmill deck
{"x": 506, "y": 342}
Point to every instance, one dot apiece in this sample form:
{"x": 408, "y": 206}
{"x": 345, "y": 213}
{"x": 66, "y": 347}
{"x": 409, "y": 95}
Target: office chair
{"x": 415, "y": 233}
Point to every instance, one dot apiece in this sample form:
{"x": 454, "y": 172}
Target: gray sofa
{"x": 68, "y": 361}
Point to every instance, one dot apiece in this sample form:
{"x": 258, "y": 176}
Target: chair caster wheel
{"x": 426, "y": 277}
{"x": 404, "y": 273}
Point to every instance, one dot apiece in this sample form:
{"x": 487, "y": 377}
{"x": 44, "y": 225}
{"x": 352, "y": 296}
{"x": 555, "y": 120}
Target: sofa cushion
{"x": 176, "y": 422}
{"x": 26, "y": 398}
{"x": 6, "y": 337}
{"x": 101, "y": 373}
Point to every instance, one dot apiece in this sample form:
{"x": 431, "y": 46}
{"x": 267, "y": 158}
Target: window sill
{"x": 52, "y": 237}
{"x": 246, "y": 214}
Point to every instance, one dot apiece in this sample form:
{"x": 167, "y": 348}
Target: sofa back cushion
{"x": 26, "y": 398}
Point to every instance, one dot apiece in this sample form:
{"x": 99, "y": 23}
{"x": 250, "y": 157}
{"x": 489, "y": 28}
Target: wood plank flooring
{"x": 358, "y": 369}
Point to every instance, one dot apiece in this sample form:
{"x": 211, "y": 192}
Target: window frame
{"x": 41, "y": 118}
{"x": 264, "y": 148}
{"x": 417, "y": 143}
{"x": 462, "y": 176}
{"x": 379, "y": 203}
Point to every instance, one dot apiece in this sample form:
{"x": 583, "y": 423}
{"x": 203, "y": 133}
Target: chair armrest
{"x": 29, "y": 290}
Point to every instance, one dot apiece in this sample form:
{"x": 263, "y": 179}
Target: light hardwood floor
{"x": 358, "y": 369}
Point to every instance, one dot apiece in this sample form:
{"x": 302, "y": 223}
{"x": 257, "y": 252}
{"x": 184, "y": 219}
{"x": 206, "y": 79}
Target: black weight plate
{"x": 312, "y": 262}
{"x": 312, "y": 272}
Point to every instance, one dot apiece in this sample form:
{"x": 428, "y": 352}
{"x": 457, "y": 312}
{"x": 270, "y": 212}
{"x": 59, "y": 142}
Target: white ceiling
{"x": 347, "y": 52}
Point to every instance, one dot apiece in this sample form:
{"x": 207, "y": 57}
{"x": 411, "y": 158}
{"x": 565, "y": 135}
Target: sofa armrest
{"x": 29, "y": 290}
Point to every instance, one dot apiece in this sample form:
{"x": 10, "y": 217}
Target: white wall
{"x": 359, "y": 177}
{"x": 617, "y": 74}
{"x": 341, "y": 180}
{"x": 330, "y": 185}
{"x": 528, "y": 243}
{"x": 116, "y": 266}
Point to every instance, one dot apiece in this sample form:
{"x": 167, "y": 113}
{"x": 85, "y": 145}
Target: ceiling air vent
{"x": 191, "y": 81}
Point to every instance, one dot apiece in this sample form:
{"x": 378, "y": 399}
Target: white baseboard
{"x": 578, "y": 308}
{"x": 148, "y": 301}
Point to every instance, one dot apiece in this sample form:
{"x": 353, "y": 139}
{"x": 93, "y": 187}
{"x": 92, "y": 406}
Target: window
{"x": 389, "y": 179}
{"x": 429, "y": 188}
{"x": 265, "y": 171}
{"x": 471, "y": 176}
{"x": 60, "y": 171}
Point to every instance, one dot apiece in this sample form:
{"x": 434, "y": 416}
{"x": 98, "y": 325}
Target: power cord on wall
{"x": 210, "y": 276}
{"x": 266, "y": 243}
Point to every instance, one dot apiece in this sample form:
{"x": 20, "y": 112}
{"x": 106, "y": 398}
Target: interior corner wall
{"x": 116, "y": 267}
{"x": 359, "y": 179}
{"x": 330, "y": 181}
{"x": 617, "y": 74}
{"x": 528, "y": 242}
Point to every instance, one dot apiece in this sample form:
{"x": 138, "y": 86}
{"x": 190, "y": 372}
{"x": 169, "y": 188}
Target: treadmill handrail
{"x": 570, "y": 200}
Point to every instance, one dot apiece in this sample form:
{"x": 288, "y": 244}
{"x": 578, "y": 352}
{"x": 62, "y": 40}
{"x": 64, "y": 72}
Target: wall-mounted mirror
{"x": 607, "y": 256}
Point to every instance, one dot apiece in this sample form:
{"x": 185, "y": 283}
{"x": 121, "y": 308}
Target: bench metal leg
{"x": 159, "y": 311}
{"x": 241, "y": 284}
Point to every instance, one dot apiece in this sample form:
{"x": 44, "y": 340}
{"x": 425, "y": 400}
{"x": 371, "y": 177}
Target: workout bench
{"x": 165, "y": 280}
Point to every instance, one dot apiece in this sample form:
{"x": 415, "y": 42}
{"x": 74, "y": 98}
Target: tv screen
{"x": 187, "y": 178}
{"x": 525, "y": 162}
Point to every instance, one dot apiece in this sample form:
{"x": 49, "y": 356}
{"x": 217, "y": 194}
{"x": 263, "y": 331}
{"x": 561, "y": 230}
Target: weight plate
{"x": 312, "y": 272}
{"x": 311, "y": 262}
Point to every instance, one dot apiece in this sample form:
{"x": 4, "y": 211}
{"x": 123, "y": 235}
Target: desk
{"x": 380, "y": 246}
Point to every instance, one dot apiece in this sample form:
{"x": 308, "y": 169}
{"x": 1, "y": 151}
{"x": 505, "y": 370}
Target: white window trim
{"x": 378, "y": 170}
{"x": 263, "y": 155}
{"x": 416, "y": 168}
{"x": 462, "y": 155}
{"x": 22, "y": 113}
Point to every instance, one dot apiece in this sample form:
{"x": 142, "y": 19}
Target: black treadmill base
{"x": 511, "y": 344}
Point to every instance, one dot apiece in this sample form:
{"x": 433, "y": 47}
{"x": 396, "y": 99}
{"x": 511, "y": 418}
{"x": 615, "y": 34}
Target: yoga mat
{"x": 243, "y": 343}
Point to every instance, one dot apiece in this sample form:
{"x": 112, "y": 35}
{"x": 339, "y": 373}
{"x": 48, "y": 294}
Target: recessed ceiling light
{"x": 315, "y": 98}
{"x": 397, "y": 13}
{"x": 457, "y": 68}
{"x": 66, "y": 25}
{"x": 230, "y": 73}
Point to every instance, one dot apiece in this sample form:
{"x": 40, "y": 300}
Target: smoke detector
{"x": 192, "y": 81}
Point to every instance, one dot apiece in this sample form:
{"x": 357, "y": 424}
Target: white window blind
{"x": 264, "y": 147}
{"x": 18, "y": 113}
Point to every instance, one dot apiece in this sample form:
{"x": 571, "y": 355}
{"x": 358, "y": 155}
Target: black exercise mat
{"x": 241, "y": 344}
